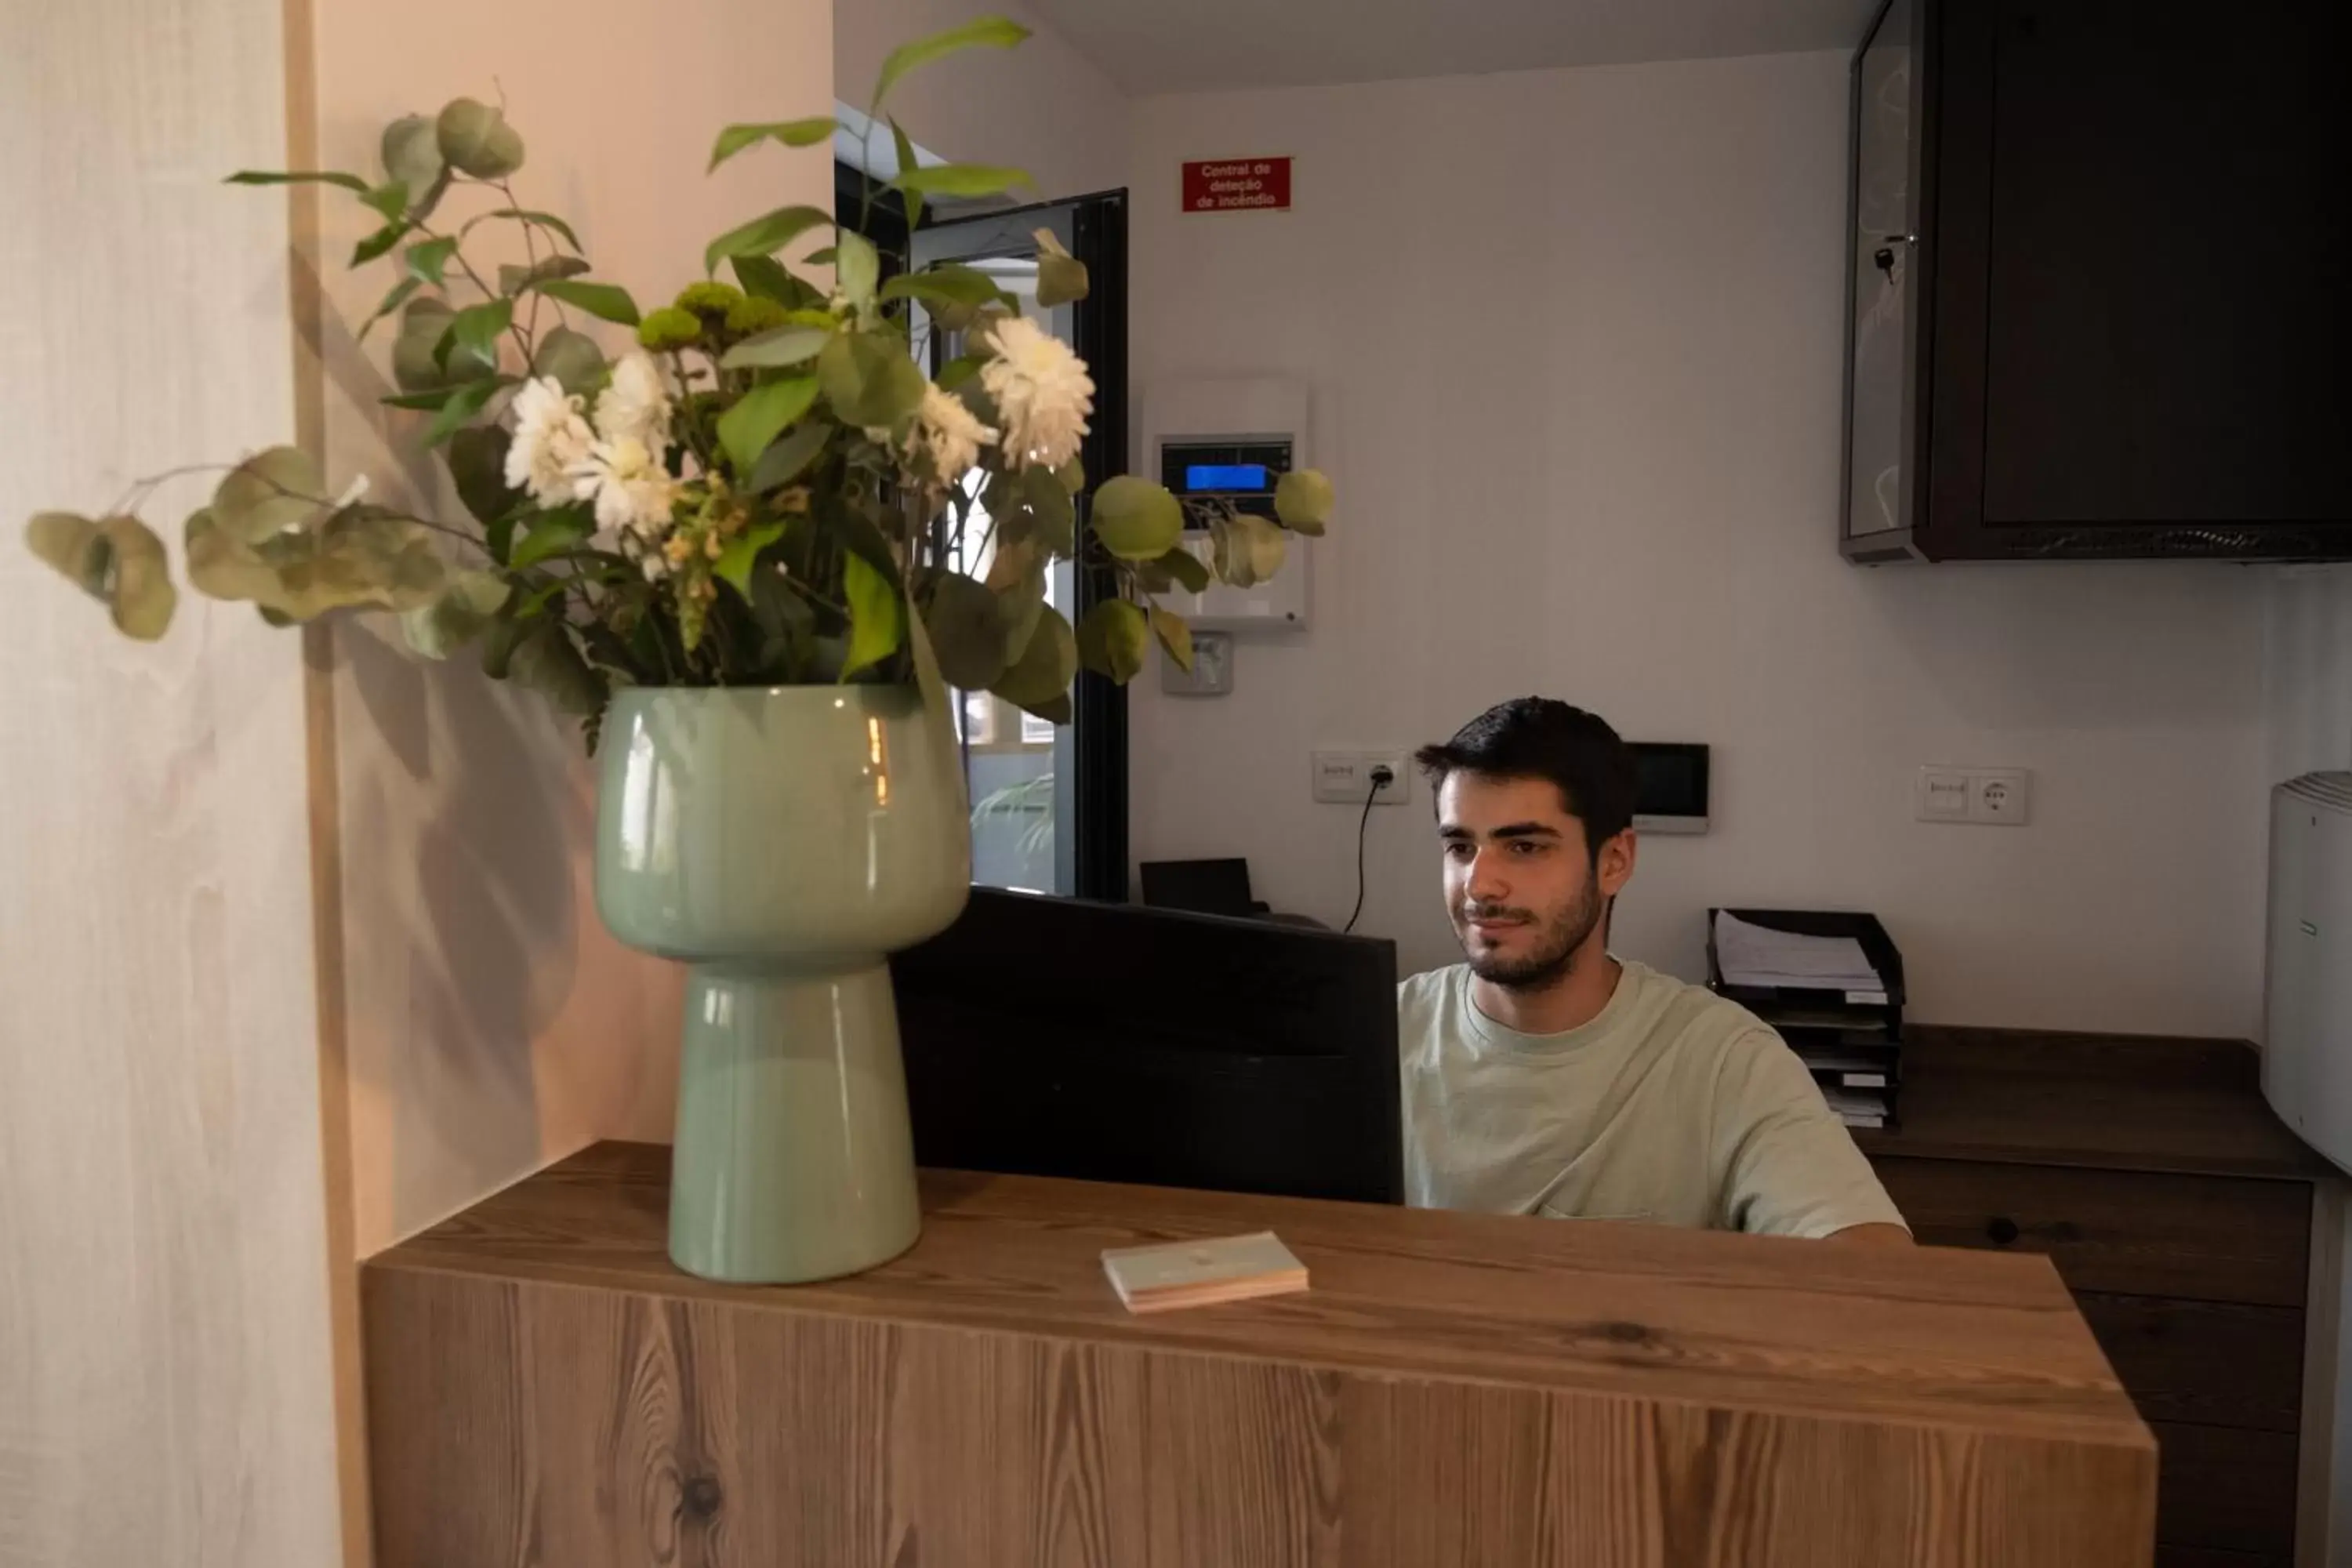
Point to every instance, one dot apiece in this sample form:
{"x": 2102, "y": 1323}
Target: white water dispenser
{"x": 2307, "y": 987}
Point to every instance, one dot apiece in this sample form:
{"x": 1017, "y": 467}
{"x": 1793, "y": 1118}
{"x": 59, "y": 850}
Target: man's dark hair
{"x": 1543, "y": 738}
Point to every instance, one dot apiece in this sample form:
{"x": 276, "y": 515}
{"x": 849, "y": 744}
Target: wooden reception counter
{"x": 543, "y": 1388}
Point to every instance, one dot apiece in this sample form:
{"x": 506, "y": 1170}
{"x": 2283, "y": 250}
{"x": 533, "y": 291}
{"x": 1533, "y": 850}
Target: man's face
{"x": 1524, "y": 894}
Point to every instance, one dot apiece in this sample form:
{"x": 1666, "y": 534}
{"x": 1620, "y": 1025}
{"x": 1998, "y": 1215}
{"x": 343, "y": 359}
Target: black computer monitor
{"x": 1051, "y": 1036}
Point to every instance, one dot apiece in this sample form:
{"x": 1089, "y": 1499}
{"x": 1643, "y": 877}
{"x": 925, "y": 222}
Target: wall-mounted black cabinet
{"x": 2100, "y": 283}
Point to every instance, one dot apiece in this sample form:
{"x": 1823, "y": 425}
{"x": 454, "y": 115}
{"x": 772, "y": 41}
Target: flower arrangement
{"x": 764, "y": 486}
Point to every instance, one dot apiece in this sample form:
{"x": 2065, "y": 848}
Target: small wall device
{"x": 1232, "y": 440}
{"x": 1670, "y": 791}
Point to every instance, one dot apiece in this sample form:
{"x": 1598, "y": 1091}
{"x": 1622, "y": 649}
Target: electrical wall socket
{"x": 1997, "y": 797}
{"x": 1345, "y": 777}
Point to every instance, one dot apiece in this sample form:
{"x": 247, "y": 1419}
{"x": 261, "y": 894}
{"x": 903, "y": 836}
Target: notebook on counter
{"x": 1164, "y": 1278}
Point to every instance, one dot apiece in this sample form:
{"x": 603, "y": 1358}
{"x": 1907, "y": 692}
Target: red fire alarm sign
{"x": 1237, "y": 185}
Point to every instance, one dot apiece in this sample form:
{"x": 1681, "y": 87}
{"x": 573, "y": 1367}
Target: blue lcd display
{"x": 1225, "y": 476}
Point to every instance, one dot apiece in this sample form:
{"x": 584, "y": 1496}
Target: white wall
{"x": 165, "y": 1391}
{"x": 2311, "y": 670}
{"x": 1041, "y": 107}
{"x": 1575, "y": 336}
{"x": 491, "y": 1024}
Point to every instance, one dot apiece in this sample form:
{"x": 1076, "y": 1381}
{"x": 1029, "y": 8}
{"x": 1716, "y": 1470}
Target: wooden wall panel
{"x": 164, "y": 1383}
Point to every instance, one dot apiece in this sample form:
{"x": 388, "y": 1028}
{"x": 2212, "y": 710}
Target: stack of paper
{"x": 1757, "y": 956}
{"x": 1203, "y": 1273}
{"x": 1856, "y": 1109}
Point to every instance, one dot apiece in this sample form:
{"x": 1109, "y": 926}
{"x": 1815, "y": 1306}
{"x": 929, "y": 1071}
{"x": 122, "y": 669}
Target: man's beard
{"x": 1554, "y": 957}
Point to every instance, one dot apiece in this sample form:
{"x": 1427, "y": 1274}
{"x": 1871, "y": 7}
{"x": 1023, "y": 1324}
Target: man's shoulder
{"x": 1427, "y": 1005}
{"x": 1698, "y": 1019}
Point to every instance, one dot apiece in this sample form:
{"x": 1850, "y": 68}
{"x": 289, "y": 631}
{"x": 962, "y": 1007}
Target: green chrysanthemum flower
{"x": 753, "y": 314}
{"x": 711, "y": 302}
{"x": 669, "y": 328}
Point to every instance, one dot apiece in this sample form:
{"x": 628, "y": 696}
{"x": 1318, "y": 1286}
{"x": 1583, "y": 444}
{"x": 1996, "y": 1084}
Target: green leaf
{"x": 572, "y": 358}
{"x": 411, "y": 149}
{"x": 1041, "y": 674}
{"x": 857, "y": 267}
{"x": 390, "y": 200}
{"x": 300, "y": 177}
{"x": 1060, "y": 280}
{"x": 1248, "y": 550}
{"x": 397, "y": 297}
{"x": 513, "y": 279}
{"x": 868, "y": 379}
{"x": 1187, "y": 570}
{"x": 984, "y": 32}
{"x": 551, "y": 533}
{"x": 478, "y": 464}
{"x": 65, "y": 540}
{"x": 759, "y": 415}
{"x": 463, "y": 404}
{"x": 1112, "y": 638}
{"x": 1303, "y": 501}
{"x": 270, "y": 492}
{"x": 1072, "y": 476}
{"x": 763, "y": 235}
{"x": 463, "y": 612}
{"x": 548, "y": 221}
{"x": 605, "y": 301}
{"x": 734, "y": 563}
{"x": 547, "y": 660}
{"x": 360, "y": 556}
{"x": 877, "y": 616}
{"x": 788, "y": 132}
{"x": 783, "y": 461}
{"x": 766, "y": 277}
{"x": 429, "y": 259}
{"x": 423, "y": 323}
{"x": 951, "y": 291}
{"x": 1050, "y": 505}
{"x": 476, "y": 139}
{"x": 139, "y": 579}
{"x": 1017, "y": 577}
{"x": 780, "y": 346}
{"x": 959, "y": 369}
{"x": 1175, "y": 634}
{"x": 959, "y": 180}
{"x": 116, "y": 560}
{"x": 967, "y": 631}
{"x": 1137, "y": 520}
{"x": 379, "y": 244}
{"x": 477, "y": 329}
{"x": 905, "y": 147}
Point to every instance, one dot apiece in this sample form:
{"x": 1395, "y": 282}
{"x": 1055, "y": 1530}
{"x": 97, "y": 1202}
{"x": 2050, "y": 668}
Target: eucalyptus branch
{"x": 139, "y": 489}
{"x": 530, "y": 259}
{"x": 457, "y": 254}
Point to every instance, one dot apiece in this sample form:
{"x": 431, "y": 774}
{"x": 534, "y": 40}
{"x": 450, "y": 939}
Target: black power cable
{"x": 1382, "y": 779}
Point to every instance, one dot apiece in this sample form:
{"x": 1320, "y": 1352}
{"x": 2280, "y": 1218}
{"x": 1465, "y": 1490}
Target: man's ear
{"x": 1615, "y": 866}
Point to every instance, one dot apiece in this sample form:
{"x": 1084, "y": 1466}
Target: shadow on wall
{"x": 492, "y": 1024}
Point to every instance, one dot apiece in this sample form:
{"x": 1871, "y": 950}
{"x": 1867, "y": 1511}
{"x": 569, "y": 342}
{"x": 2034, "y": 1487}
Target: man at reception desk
{"x": 1544, "y": 1076}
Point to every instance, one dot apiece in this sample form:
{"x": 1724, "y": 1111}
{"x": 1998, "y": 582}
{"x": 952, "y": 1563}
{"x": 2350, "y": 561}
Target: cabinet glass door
{"x": 1883, "y": 294}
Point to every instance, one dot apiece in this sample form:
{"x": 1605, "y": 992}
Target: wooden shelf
{"x": 1453, "y": 1389}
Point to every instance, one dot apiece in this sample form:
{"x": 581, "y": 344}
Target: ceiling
{"x": 1156, "y": 45}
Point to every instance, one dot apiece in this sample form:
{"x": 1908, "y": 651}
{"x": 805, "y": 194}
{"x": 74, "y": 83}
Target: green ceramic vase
{"x": 784, "y": 842}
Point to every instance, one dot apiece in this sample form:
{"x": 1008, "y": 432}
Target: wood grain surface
{"x": 2214, "y": 1364}
{"x": 164, "y": 1381}
{"x": 2120, "y": 1103}
{"x": 1453, "y": 1389}
{"x": 2193, "y": 1237}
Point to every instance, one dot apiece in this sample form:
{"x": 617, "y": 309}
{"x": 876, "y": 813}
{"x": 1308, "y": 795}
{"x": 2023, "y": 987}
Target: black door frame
{"x": 1098, "y": 802}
